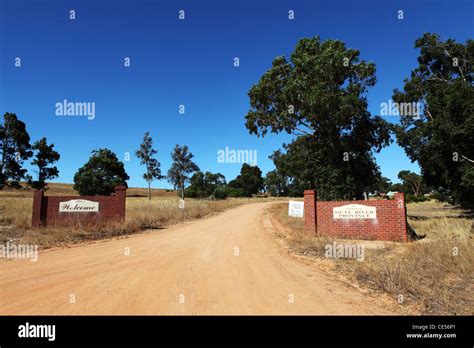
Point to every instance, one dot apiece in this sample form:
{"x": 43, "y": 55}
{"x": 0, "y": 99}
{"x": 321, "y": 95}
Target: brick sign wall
{"x": 77, "y": 210}
{"x": 368, "y": 219}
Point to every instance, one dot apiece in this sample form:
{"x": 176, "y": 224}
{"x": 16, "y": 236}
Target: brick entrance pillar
{"x": 120, "y": 194}
{"x": 310, "y": 218}
{"x": 401, "y": 217}
{"x": 37, "y": 208}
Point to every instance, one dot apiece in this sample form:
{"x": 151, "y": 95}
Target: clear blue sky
{"x": 190, "y": 62}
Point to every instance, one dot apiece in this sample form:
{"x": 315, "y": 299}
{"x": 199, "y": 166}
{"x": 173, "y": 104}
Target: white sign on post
{"x": 78, "y": 206}
{"x": 296, "y": 209}
{"x": 354, "y": 211}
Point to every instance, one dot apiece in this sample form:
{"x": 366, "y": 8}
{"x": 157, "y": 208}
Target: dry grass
{"x": 141, "y": 214}
{"x": 294, "y": 234}
{"x": 434, "y": 275}
{"x": 162, "y": 212}
{"x": 57, "y": 189}
{"x": 15, "y": 211}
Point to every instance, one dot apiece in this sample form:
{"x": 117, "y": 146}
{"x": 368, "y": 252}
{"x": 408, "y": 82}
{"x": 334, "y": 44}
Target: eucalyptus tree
{"x": 319, "y": 96}
{"x": 145, "y": 153}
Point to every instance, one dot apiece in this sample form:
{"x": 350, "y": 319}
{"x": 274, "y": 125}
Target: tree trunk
{"x": 182, "y": 192}
{"x": 412, "y": 187}
{"x": 149, "y": 191}
{"x": 418, "y": 189}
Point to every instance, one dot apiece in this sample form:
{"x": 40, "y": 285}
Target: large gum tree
{"x": 319, "y": 95}
{"x": 441, "y": 138}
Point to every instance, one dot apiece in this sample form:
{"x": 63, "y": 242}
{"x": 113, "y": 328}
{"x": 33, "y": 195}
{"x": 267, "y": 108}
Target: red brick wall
{"x": 46, "y": 209}
{"x": 390, "y": 223}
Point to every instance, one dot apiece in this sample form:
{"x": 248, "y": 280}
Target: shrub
{"x": 220, "y": 193}
{"x": 440, "y": 196}
{"x": 100, "y": 174}
{"x": 415, "y": 199}
{"x": 235, "y": 192}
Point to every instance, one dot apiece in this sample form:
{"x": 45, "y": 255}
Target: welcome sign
{"x": 78, "y": 206}
{"x": 87, "y": 211}
{"x": 354, "y": 211}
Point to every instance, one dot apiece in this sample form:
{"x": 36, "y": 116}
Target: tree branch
{"x": 428, "y": 113}
{"x": 436, "y": 78}
{"x": 303, "y": 131}
{"x": 307, "y": 126}
{"x": 447, "y": 53}
{"x": 467, "y": 159}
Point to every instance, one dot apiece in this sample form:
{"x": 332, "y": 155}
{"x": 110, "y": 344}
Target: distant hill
{"x": 56, "y": 189}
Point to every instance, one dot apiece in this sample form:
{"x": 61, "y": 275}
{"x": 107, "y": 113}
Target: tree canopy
{"x": 320, "y": 97}
{"x": 145, "y": 153}
{"x": 181, "y": 168}
{"x": 44, "y": 157}
{"x": 15, "y": 148}
{"x": 276, "y": 184}
{"x": 99, "y": 176}
{"x": 249, "y": 182}
{"x": 441, "y": 139}
{"x": 412, "y": 182}
{"x": 206, "y": 185}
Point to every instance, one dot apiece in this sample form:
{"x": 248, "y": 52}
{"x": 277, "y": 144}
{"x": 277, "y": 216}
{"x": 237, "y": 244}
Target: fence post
{"x": 310, "y": 218}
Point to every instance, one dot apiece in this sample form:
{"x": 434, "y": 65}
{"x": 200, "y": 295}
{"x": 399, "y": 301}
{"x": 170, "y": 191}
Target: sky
{"x": 190, "y": 62}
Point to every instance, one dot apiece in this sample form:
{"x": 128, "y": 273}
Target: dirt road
{"x": 225, "y": 264}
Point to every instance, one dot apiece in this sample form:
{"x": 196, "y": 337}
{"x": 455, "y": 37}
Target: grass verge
{"x": 431, "y": 276}
{"x": 141, "y": 214}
